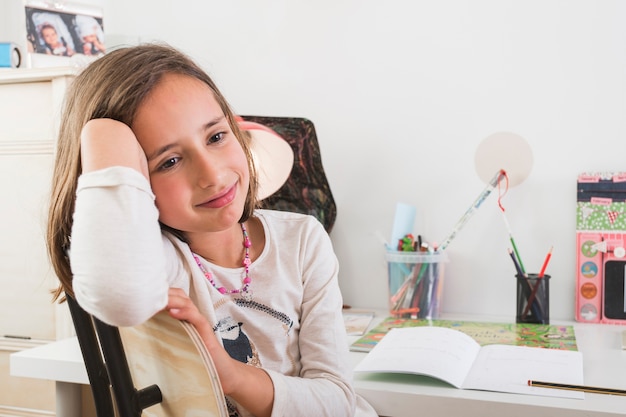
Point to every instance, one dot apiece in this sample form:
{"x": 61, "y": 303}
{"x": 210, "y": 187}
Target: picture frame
{"x": 60, "y": 33}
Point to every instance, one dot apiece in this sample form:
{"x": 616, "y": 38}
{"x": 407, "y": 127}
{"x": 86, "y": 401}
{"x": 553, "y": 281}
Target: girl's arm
{"x": 117, "y": 251}
{"x": 106, "y": 143}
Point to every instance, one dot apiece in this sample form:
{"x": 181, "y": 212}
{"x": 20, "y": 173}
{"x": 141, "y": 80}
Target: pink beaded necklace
{"x": 245, "y": 287}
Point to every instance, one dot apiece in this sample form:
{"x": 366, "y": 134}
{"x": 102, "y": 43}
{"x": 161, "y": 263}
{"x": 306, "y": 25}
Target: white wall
{"x": 401, "y": 93}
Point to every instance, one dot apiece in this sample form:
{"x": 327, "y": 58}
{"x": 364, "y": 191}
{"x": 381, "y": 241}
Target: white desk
{"x": 61, "y": 362}
{"x": 396, "y": 395}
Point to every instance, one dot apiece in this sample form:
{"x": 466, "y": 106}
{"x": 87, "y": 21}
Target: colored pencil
{"x": 508, "y": 229}
{"x": 518, "y": 268}
{"x": 545, "y": 263}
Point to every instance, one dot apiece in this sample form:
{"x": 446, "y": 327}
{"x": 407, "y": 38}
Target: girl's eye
{"x": 218, "y": 137}
{"x": 167, "y": 164}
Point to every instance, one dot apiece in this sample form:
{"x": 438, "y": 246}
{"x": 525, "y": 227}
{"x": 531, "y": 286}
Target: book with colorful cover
{"x": 551, "y": 336}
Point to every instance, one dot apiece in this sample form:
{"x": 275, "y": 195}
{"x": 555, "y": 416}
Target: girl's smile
{"x": 221, "y": 199}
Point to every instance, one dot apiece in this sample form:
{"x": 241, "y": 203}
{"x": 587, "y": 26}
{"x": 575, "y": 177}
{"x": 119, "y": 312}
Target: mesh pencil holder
{"x": 415, "y": 283}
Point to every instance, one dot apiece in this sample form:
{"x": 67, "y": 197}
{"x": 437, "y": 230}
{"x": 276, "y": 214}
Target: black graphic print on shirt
{"x": 235, "y": 340}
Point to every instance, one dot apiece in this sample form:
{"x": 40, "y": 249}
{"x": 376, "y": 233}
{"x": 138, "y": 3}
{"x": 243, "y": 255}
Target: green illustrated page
{"x": 549, "y": 336}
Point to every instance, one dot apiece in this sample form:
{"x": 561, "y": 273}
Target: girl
{"x": 154, "y": 200}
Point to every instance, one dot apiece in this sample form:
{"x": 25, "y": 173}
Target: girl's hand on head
{"x": 107, "y": 142}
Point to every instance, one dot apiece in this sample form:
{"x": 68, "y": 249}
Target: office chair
{"x": 167, "y": 359}
{"x": 306, "y": 190}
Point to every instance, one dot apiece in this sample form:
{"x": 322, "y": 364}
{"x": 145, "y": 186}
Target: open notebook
{"x": 456, "y": 358}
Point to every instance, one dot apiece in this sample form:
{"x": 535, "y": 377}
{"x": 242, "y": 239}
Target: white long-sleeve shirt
{"x": 123, "y": 266}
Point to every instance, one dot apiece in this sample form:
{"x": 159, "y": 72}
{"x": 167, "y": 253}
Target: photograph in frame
{"x": 54, "y": 34}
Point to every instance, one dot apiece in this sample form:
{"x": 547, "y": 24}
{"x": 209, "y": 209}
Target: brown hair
{"x": 114, "y": 87}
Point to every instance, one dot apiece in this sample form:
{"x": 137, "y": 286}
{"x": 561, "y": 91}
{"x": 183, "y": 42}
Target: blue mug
{"x": 10, "y": 55}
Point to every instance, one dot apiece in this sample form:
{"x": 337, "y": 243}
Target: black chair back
{"x": 107, "y": 367}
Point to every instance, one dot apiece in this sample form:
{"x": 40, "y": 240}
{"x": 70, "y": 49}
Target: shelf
{"x": 31, "y": 75}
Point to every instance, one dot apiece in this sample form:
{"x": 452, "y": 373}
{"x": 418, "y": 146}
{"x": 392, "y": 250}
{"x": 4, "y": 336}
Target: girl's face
{"x": 198, "y": 169}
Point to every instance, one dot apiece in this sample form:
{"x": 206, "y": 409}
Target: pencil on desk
{"x": 570, "y": 387}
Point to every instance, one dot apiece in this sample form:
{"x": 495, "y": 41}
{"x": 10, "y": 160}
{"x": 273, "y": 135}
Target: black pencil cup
{"x": 533, "y": 299}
